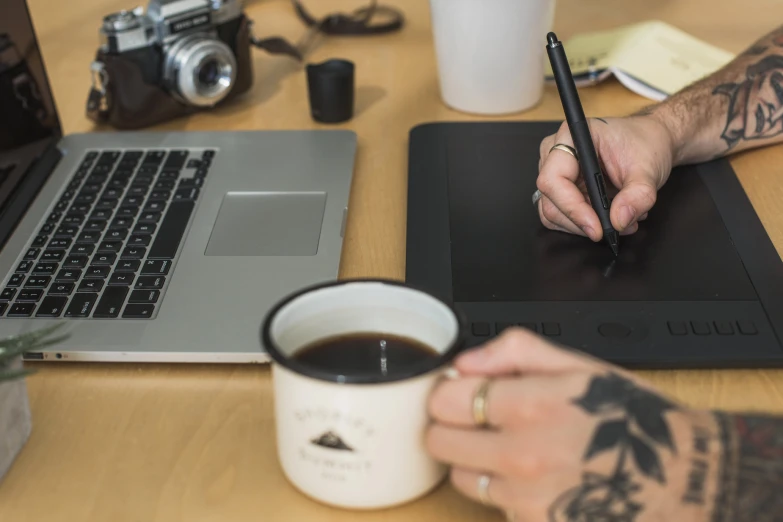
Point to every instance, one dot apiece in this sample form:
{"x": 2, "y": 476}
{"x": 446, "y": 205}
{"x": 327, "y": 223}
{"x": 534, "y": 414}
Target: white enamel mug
{"x": 357, "y": 441}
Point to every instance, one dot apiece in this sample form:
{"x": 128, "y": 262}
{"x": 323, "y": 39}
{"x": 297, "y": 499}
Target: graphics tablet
{"x": 699, "y": 285}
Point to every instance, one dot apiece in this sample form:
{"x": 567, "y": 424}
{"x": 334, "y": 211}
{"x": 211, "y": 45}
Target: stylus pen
{"x": 583, "y": 141}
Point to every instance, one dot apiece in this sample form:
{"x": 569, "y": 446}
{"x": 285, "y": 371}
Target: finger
{"x": 557, "y": 181}
{"x": 643, "y": 217}
{"x": 499, "y": 491}
{"x": 551, "y": 215}
{"x": 636, "y": 198}
{"x": 469, "y": 448}
{"x": 631, "y": 229}
{"x": 518, "y": 350}
{"x": 511, "y": 402}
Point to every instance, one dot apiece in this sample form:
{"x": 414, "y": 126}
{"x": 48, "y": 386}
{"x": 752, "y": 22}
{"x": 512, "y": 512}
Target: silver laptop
{"x": 155, "y": 246}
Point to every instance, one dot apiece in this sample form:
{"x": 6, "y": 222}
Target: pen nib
{"x": 613, "y": 238}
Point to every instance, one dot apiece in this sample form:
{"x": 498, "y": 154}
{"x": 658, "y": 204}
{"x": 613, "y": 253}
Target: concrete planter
{"x": 15, "y": 421}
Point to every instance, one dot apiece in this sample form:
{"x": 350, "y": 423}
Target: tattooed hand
{"x": 636, "y": 157}
{"x": 572, "y": 439}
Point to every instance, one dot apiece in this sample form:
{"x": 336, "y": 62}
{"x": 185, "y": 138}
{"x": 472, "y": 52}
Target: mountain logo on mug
{"x": 332, "y": 441}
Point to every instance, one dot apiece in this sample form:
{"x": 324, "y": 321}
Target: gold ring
{"x": 483, "y": 489}
{"x": 565, "y": 148}
{"x": 480, "y": 405}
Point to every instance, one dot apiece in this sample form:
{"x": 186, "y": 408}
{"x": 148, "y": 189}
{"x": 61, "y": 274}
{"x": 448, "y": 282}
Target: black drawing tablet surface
{"x": 699, "y": 285}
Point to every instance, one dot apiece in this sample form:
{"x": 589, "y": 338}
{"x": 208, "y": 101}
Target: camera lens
{"x": 209, "y": 73}
{"x": 200, "y": 70}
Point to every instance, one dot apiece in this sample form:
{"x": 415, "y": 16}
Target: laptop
{"x": 155, "y": 246}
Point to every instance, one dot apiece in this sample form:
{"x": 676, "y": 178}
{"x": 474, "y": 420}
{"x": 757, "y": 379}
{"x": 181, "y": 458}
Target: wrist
{"x": 672, "y": 130}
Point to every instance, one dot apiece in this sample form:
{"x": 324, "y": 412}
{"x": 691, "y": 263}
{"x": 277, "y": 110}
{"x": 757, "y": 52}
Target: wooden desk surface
{"x": 195, "y": 443}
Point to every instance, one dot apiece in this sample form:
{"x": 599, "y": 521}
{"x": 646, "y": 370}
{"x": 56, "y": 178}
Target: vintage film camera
{"x": 179, "y": 57}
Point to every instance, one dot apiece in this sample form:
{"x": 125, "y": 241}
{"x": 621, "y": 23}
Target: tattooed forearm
{"x": 750, "y": 481}
{"x": 697, "y": 478}
{"x": 739, "y": 106}
{"x": 634, "y": 430}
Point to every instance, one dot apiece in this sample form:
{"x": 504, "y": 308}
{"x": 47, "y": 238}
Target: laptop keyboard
{"x": 110, "y": 242}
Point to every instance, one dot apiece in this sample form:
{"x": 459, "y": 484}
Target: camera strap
{"x": 358, "y": 23}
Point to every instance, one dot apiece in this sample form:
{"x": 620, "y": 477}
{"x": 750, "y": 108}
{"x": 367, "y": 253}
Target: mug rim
{"x": 415, "y": 370}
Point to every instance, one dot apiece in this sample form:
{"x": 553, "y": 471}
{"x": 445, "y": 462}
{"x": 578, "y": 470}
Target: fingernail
{"x": 626, "y": 216}
{"x": 589, "y": 231}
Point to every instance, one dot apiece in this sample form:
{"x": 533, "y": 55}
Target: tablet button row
{"x": 483, "y": 329}
{"x": 704, "y": 328}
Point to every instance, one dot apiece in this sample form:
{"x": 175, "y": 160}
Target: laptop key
{"x": 127, "y": 265}
{"x": 138, "y": 311}
{"x": 68, "y": 274}
{"x": 39, "y": 241}
{"x": 79, "y": 209}
{"x": 121, "y": 222}
{"x": 111, "y": 302}
{"x": 149, "y": 217}
{"x": 73, "y": 219}
{"x": 169, "y": 175}
{"x": 94, "y": 225}
{"x": 75, "y": 262}
{"x": 66, "y": 231}
{"x": 21, "y": 310}
{"x": 133, "y": 201}
{"x": 53, "y": 255}
{"x": 191, "y": 182}
{"x": 81, "y": 304}
{"x": 145, "y": 228}
{"x": 90, "y": 156}
{"x": 116, "y": 234}
{"x": 110, "y": 246}
{"x": 24, "y": 266}
{"x": 85, "y": 198}
{"x": 164, "y": 184}
{"x": 128, "y": 211}
{"x": 37, "y": 282}
{"x": 209, "y": 153}
{"x": 156, "y": 267}
{"x": 31, "y": 254}
{"x": 61, "y": 206}
{"x": 171, "y": 230}
{"x": 90, "y": 285}
{"x": 89, "y": 237}
{"x": 7, "y": 294}
{"x": 59, "y": 244}
{"x": 186, "y": 194}
{"x": 54, "y": 217}
{"x": 97, "y": 271}
{"x": 155, "y": 206}
{"x": 144, "y": 296}
{"x": 121, "y": 278}
{"x": 139, "y": 240}
{"x": 45, "y": 269}
{"x": 106, "y": 204}
{"x": 46, "y": 229}
{"x": 105, "y": 259}
{"x": 147, "y": 169}
{"x": 101, "y": 215}
{"x": 30, "y": 295}
{"x": 82, "y": 249}
{"x": 16, "y": 280}
{"x": 51, "y": 306}
{"x": 134, "y": 253}
{"x": 61, "y": 289}
{"x": 150, "y": 282}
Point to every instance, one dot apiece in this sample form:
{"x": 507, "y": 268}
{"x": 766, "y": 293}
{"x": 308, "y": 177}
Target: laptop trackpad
{"x": 268, "y": 224}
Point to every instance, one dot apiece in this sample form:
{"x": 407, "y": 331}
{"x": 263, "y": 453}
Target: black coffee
{"x": 364, "y": 354}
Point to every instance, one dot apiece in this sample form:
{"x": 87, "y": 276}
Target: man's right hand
{"x": 636, "y": 155}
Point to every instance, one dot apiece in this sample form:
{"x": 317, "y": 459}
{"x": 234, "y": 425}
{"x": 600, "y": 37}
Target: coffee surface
{"x": 364, "y": 354}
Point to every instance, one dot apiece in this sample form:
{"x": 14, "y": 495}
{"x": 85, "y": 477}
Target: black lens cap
{"x": 330, "y": 86}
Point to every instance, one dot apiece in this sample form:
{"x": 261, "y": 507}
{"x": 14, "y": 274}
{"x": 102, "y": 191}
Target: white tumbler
{"x": 491, "y": 53}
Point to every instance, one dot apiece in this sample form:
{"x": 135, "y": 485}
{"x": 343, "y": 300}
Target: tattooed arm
{"x": 738, "y": 107}
{"x": 573, "y": 439}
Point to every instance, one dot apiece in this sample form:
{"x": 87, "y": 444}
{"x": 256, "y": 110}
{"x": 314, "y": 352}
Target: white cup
{"x": 491, "y": 53}
{"x": 358, "y": 441}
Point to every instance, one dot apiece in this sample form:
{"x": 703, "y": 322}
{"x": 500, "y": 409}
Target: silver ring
{"x": 536, "y": 196}
{"x": 483, "y": 489}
